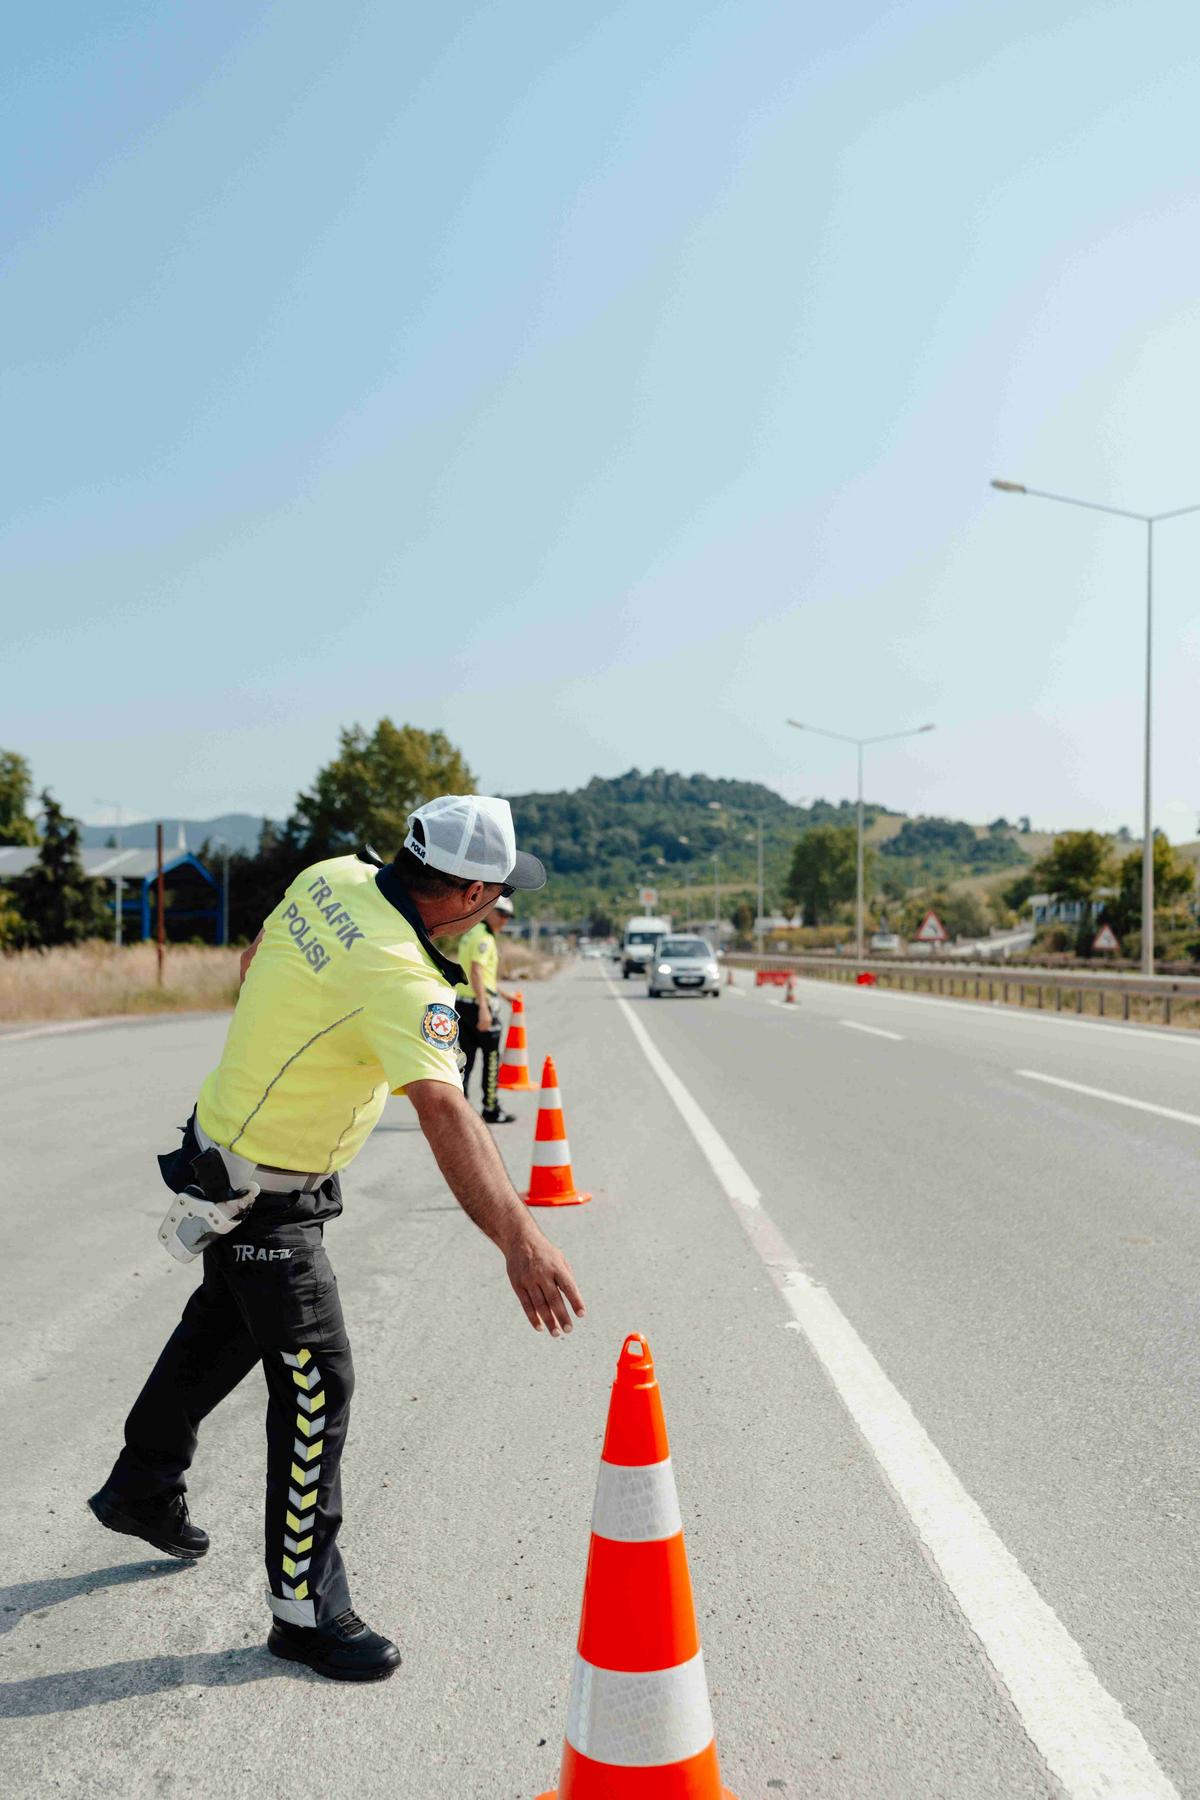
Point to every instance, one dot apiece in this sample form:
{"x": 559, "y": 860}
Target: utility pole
{"x": 717, "y": 898}
{"x": 158, "y": 841}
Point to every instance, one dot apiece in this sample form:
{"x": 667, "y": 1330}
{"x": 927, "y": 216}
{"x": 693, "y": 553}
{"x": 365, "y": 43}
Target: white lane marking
{"x": 1076, "y": 1725}
{"x": 998, "y": 1010}
{"x": 875, "y": 1030}
{"x": 1093, "y": 1093}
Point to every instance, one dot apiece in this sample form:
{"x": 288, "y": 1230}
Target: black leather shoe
{"x": 165, "y": 1525}
{"x": 347, "y": 1650}
{"x": 498, "y": 1117}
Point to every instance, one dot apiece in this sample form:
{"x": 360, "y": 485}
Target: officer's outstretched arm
{"x": 539, "y": 1272}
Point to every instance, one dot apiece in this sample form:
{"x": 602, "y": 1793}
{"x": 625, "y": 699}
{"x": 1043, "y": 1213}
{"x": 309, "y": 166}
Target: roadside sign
{"x": 649, "y": 897}
{"x": 932, "y": 931}
{"x": 1105, "y": 938}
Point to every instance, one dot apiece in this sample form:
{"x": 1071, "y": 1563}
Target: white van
{"x": 640, "y": 943}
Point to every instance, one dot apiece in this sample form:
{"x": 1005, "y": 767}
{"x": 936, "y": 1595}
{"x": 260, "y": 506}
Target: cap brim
{"x": 526, "y": 874}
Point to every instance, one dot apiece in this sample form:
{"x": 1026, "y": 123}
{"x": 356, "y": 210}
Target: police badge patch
{"x": 440, "y": 1026}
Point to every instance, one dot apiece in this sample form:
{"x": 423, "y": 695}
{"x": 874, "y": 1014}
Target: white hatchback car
{"x": 684, "y": 965}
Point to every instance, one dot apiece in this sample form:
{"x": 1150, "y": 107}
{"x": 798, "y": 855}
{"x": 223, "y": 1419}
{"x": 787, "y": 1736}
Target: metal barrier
{"x": 1159, "y": 1000}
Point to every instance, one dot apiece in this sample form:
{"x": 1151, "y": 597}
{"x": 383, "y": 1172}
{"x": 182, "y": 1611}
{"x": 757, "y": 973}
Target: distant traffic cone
{"x": 639, "y": 1725}
{"x": 790, "y": 996}
{"x": 514, "y": 1063}
{"x": 551, "y": 1182}
{"x": 728, "y": 974}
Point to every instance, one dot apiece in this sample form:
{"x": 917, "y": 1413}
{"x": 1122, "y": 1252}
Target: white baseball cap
{"x": 472, "y": 836}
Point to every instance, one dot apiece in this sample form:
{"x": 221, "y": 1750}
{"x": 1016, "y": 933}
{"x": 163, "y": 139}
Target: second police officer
{"x": 476, "y": 997}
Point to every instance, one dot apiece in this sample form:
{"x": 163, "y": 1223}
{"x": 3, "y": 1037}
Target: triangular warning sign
{"x": 931, "y": 930}
{"x": 1105, "y": 938}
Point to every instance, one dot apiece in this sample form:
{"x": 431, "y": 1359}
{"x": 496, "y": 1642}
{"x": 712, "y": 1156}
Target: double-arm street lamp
{"x": 860, "y": 744}
{"x": 1149, "y": 520}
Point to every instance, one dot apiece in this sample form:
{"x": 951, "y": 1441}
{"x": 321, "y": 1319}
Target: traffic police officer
{"x": 345, "y": 1000}
{"x": 479, "y": 955}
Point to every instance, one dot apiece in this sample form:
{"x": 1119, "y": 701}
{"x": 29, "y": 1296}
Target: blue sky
{"x": 602, "y": 384}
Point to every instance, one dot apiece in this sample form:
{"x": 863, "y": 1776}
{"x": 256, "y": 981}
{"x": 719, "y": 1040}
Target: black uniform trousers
{"x": 484, "y": 1044}
{"x": 268, "y": 1296}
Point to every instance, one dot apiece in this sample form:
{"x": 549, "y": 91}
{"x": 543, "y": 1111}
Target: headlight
{"x": 711, "y": 969}
{"x": 664, "y": 968}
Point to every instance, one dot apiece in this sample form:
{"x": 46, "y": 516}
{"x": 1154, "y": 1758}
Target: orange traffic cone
{"x": 728, "y": 974}
{"x": 551, "y": 1182}
{"x": 790, "y": 996}
{"x": 638, "y": 1720}
{"x": 514, "y": 1063}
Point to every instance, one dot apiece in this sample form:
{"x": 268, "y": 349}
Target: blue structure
{"x": 194, "y": 893}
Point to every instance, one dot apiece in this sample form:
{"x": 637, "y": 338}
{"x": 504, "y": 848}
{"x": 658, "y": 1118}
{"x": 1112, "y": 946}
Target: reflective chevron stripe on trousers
{"x": 270, "y": 1299}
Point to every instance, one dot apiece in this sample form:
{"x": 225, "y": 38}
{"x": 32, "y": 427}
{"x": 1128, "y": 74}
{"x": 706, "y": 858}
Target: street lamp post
{"x": 222, "y": 844}
{"x": 860, "y": 745}
{"x": 761, "y": 923}
{"x": 1149, "y": 520}
{"x": 118, "y": 884}
{"x": 717, "y": 898}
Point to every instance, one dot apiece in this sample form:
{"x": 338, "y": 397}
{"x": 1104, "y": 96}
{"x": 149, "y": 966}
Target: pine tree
{"x": 59, "y": 903}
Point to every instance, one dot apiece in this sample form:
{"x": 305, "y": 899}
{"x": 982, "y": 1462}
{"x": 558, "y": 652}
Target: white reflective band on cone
{"x": 550, "y": 1098}
{"x": 639, "y": 1721}
{"x": 553, "y": 1154}
{"x": 636, "y": 1505}
{"x": 516, "y": 1056}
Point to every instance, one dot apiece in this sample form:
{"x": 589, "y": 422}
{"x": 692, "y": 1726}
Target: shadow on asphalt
{"x": 26, "y": 1597}
{"x": 77, "y": 1688}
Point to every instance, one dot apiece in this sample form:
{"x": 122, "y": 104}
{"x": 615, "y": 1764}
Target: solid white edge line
{"x": 1075, "y": 1724}
{"x": 875, "y": 1030}
{"x": 1094, "y": 1093}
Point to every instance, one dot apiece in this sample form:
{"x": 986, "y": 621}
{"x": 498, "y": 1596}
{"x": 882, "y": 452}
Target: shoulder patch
{"x": 440, "y": 1026}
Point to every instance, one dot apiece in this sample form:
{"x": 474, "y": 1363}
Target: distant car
{"x": 592, "y": 951}
{"x": 684, "y": 965}
{"x": 886, "y": 943}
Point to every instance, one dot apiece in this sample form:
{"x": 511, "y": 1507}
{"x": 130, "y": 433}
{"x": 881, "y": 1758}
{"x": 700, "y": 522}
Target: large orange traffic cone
{"x": 514, "y": 1063}
{"x": 551, "y": 1182}
{"x": 638, "y": 1720}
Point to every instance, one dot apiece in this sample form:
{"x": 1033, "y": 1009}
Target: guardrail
{"x": 1158, "y": 1000}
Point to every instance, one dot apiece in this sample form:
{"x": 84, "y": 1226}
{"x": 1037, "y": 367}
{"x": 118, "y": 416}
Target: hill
{"x": 603, "y": 842}
{"x": 239, "y": 830}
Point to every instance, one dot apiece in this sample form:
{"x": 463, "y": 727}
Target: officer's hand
{"x": 542, "y": 1281}
{"x": 485, "y": 1019}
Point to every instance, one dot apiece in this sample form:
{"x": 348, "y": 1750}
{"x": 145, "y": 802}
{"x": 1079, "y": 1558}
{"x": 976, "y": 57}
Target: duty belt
{"x": 270, "y": 1180}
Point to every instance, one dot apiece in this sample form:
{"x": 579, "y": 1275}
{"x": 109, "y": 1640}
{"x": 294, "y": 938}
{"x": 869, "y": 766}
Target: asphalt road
{"x": 1012, "y": 1265}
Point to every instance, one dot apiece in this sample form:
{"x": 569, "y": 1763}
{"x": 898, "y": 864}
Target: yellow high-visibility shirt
{"x": 478, "y": 946}
{"x": 345, "y": 1001}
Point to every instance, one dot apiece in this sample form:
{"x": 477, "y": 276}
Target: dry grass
{"x": 91, "y": 981}
{"x": 96, "y": 980}
{"x": 519, "y": 963}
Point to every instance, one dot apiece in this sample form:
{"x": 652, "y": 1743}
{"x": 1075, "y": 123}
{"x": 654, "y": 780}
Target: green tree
{"x": 16, "y": 791}
{"x": 822, "y": 874}
{"x": 1077, "y": 865}
{"x": 1174, "y": 880}
{"x": 374, "y": 782}
{"x": 1017, "y": 892}
{"x": 59, "y": 903}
